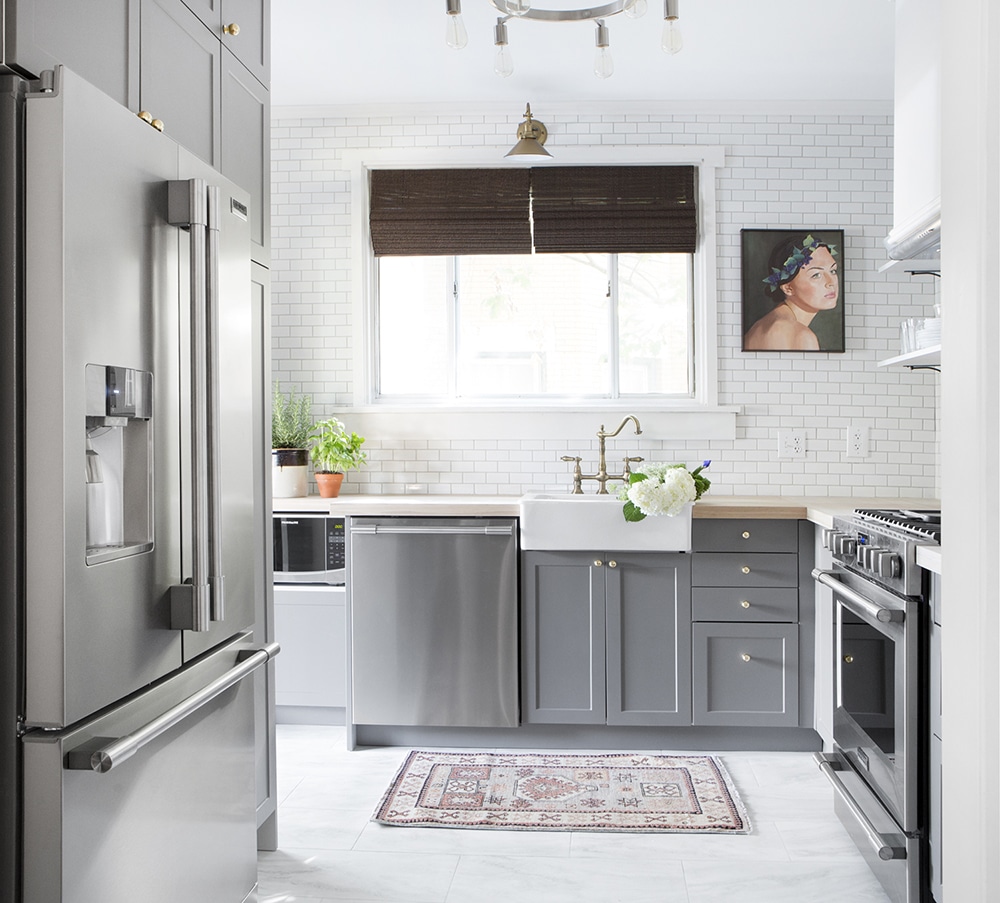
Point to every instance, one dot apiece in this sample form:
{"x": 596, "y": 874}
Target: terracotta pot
{"x": 329, "y": 484}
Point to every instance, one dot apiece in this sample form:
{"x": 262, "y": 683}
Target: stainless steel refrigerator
{"x": 131, "y": 501}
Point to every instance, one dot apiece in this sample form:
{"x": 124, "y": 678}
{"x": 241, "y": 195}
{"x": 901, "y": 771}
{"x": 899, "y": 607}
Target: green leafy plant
{"x": 291, "y": 419}
{"x": 334, "y": 449}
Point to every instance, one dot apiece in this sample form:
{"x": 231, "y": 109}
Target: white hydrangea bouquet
{"x": 656, "y": 489}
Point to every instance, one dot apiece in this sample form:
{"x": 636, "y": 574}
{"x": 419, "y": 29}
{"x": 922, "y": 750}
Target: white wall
{"x": 783, "y": 170}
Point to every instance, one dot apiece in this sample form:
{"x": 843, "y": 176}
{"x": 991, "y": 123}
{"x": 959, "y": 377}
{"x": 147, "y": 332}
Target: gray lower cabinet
{"x": 745, "y": 578}
{"x": 936, "y": 744}
{"x": 605, "y": 638}
{"x": 745, "y": 674}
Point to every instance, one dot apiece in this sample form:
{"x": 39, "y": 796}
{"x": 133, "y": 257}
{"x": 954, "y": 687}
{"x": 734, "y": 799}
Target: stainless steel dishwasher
{"x": 433, "y": 621}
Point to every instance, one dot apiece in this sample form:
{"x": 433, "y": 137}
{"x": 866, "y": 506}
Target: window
{"x": 514, "y": 311}
{"x": 541, "y": 326}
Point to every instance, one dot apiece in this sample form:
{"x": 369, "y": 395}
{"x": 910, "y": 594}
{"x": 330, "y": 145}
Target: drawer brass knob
{"x": 745, "y": 657}
{"x": 746, "y": 534}
{"x": 745, "y": 569}
{"x": 848, "y": 658}
{"x": 157, "y": 124}
{"x": 598, "y": 563}
{"x": 145, "y": 116}
{"x": 745, "y": 603}
{"x": 232, "y": 28}
{"x": 612, "y": 563}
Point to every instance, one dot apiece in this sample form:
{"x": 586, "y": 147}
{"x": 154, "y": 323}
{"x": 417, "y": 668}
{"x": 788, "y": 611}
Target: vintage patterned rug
{"x": 539, "y": 792}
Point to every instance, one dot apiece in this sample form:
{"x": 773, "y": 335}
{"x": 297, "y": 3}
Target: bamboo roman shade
{"x": 423, "y": 212}
{"x": 553, "y": 209}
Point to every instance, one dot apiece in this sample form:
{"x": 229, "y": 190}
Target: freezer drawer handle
{"x": 375, "y": 529}
{"x": 859, "y": 603}
{"x": 886, "y": 846}
{"x": 117, "y": 751}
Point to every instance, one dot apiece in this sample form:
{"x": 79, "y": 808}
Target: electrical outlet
{"x": 857, "y": 440}
{"x": 791, "y": 444}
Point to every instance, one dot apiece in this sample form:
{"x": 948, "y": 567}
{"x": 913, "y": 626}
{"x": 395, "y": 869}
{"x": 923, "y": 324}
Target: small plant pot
{"x": 329, "y": 484}
{"x": 289, "y": 472}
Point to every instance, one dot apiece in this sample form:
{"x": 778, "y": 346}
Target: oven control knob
{"x": 844, "y": 544}
{"x": 887, "y": 564}
{"x": 868, "y": 556}
{"x": 829, "y": 538}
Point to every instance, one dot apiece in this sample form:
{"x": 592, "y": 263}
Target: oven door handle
{"x": 859, "y": 604}
{"x": 885, "y": 846}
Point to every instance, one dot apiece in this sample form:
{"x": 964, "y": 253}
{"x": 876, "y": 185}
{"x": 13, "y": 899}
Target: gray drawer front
{"x": 734, "y": 603}
{"x": 749, "y": 535}
{"x": 745, "y": 674}
{"x": 751, "y": 569}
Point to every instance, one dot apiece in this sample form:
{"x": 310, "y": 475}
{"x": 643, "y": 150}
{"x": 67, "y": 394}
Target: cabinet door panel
{"x": 649, "y": 640}
{"x": 246, "y": 143}
{"x": 562, "y": 654}
{"x": 250, "y": 45}
{"x": 745, "y": 674}
{"x": 180, "y": 76}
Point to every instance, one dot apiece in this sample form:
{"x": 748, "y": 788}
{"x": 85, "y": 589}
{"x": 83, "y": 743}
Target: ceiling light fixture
{"x": 457, "y": 37}
{"x": 531, "y": 135}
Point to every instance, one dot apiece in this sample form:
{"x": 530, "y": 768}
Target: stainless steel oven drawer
{"x": 750, "y": 569}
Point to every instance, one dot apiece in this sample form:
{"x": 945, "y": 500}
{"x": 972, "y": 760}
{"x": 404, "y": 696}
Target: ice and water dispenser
{"x": 119, "y": 465}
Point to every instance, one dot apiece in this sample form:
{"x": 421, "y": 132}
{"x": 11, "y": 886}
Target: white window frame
{"x": 699, "y": 417}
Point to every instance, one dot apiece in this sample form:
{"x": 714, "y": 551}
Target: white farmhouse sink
{"x": 595, "y": 523}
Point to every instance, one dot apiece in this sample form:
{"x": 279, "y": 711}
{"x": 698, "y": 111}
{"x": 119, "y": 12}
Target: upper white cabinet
{"x": 917, "y": 132}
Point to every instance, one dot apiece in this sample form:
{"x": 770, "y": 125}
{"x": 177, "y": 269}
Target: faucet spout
{"x": 601, "y": 434}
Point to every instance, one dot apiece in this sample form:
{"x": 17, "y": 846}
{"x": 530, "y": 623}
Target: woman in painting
{"x": 803, "y": 281}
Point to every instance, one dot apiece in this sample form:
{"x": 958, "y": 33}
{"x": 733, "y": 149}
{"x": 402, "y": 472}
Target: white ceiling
{"x": 375, "y": 52}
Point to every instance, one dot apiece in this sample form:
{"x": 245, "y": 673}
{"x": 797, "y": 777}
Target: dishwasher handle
{"x": 430, "y": 530}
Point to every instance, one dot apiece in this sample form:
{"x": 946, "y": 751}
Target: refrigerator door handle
{"x": 112, "y": 753}
{"x": 193, "y": 205}
{"x": 216, "y": 578}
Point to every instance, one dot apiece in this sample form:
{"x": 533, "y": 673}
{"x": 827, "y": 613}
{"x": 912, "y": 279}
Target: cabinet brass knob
{"x": 745, "y": 603}
{"x": 232, "y": 28}
{"x": 848, "y": 658}
{"x": 598, "y": 563}
{"x": 612, "y": 564}
{"x": 157, "y": 124}
{"x": 745, "y": 657}
{"x": 746, "y": 534}
{"x": 145, "y": 116}
{"x": 745, "y": 569}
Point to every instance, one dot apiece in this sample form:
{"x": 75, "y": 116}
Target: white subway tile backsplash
{"x": 781, "y": 171}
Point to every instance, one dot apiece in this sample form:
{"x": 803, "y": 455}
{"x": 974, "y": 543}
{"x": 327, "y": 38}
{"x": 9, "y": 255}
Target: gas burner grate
{"x": 923, "y": 523}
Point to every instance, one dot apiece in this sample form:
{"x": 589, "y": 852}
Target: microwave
{"x": 308, "y": 548}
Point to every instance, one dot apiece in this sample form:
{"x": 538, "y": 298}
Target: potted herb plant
{"x": 291, "y": 432}
{"x": 334, "y": 451}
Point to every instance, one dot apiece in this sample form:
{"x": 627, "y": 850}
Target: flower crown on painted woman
{"x": 798, "y": 259}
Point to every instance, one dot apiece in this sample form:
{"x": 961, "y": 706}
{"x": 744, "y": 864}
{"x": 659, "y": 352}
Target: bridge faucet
{"x": 602, "y": 476}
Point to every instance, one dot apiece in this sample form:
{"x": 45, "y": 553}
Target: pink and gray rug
{"x": 539, "y": 792}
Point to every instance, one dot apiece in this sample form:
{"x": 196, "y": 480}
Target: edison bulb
{"x": 635, "y": 9}
{"x": 604, "y": 64}
{"x": 503, "y": 63}
{"x": 455, "y": 34}
{"x": 518, "y": 7}
{"x": 672, "y": 41}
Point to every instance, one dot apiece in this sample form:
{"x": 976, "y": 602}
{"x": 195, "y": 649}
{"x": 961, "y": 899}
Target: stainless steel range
{"x": 879, "y": 764}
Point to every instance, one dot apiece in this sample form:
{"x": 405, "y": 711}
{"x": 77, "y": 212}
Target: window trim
{"x": 707, "y": 159}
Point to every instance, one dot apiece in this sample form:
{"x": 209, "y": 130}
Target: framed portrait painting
{"x": 792, "y": 295}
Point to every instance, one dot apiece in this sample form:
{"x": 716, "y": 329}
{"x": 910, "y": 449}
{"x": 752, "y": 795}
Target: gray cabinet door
{"x": 745, "y": 674}
{"x": 96, "y": 39}
{"x": 246, "y": 147}
{"x": 648, "y": 639}
{"x": 562, "y": 638}
{"x": 181, "y": 76}
{"x": 250, "y": 44}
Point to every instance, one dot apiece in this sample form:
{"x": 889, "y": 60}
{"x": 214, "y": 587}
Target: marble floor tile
{"x": 329, "y": 851}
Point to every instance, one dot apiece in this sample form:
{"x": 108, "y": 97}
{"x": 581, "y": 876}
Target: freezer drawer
{"x": 433, "y": 608}
{"x": 176, "y": 820}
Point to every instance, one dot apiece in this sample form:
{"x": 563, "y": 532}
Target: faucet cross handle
{"x": 577, "y": 473}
